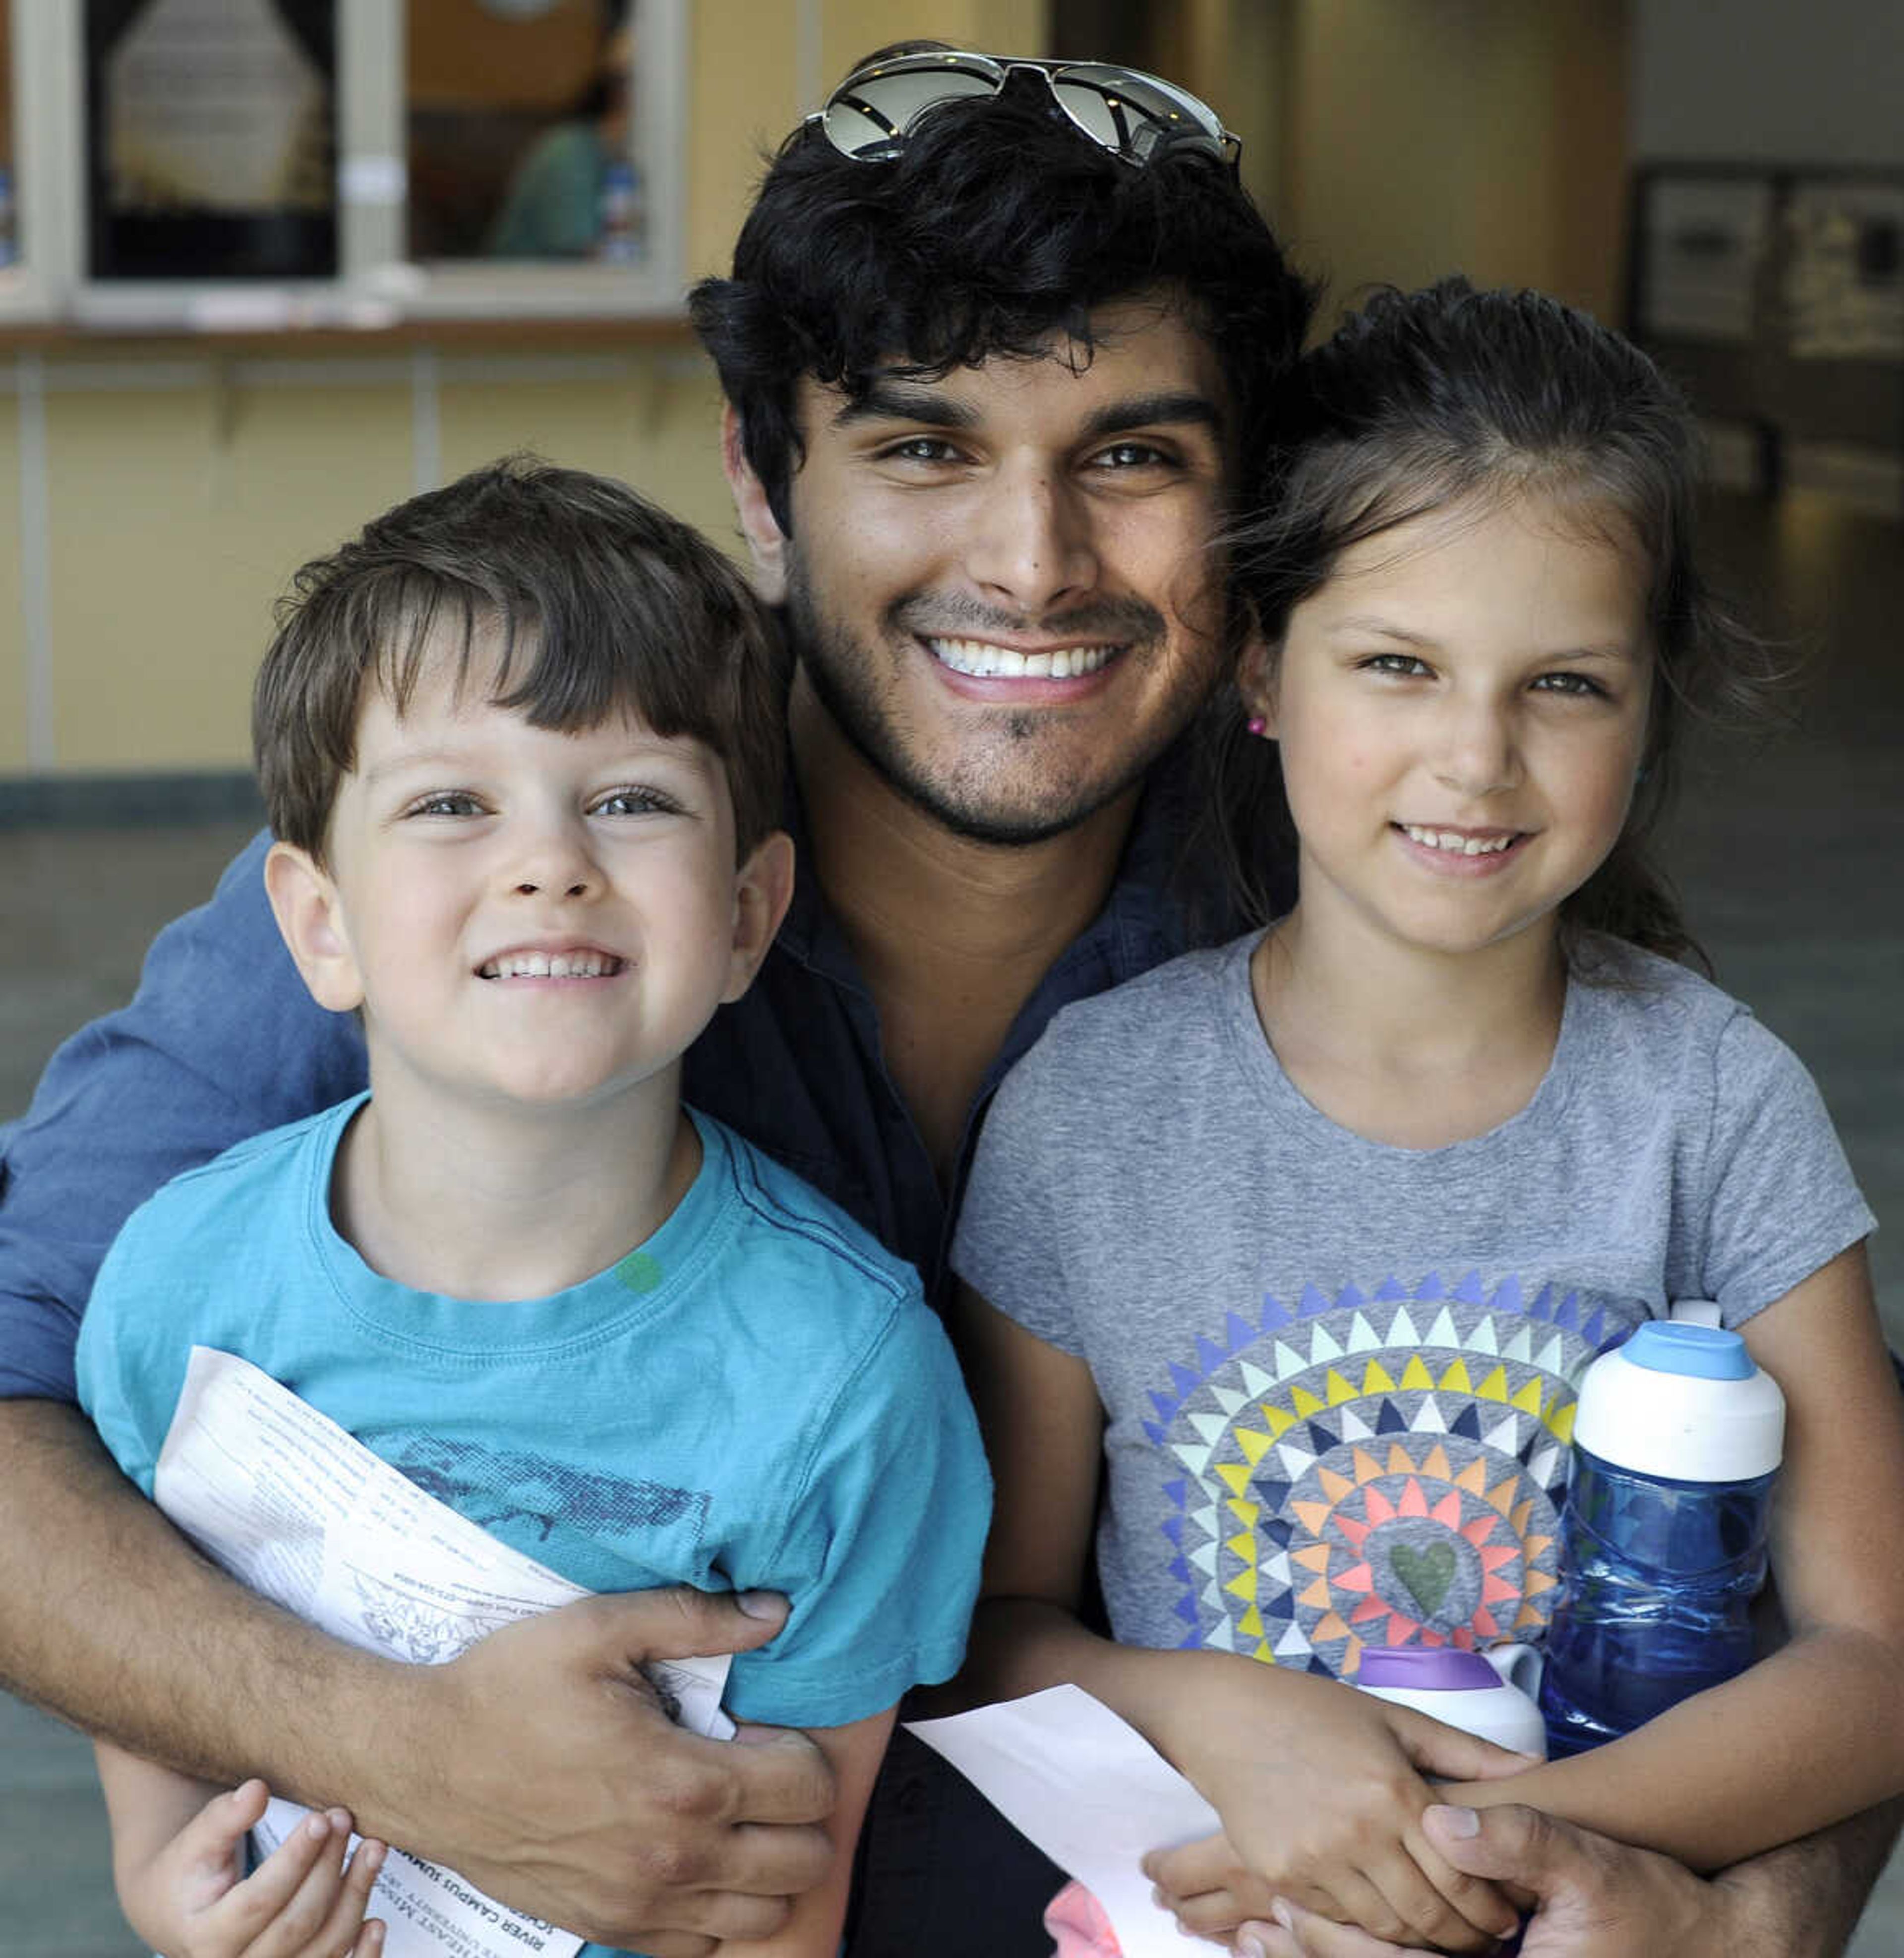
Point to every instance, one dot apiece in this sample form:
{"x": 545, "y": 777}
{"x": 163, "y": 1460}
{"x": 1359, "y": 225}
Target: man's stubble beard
{"x": 834, "y": 661}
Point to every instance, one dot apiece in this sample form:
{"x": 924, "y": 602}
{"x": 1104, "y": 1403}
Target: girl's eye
{"x": 633, "y": 802}
{"x": 1404, "y": 664}
{"x": 1576, "y": 685}
{"x": 446, "y": 802}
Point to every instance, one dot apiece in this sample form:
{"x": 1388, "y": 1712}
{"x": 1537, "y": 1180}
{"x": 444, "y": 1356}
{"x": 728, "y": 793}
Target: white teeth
{"x": 1453, "y": 841}
{"x": 982, "y": 660}
{"x": 551, "y": 965}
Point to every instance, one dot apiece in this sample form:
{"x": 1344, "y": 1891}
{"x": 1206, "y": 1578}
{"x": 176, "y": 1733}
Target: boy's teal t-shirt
{"x": 757, "y": 1398}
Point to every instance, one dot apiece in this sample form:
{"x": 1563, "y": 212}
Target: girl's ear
{"x": 763, "y": 887}
{"x": 766, "y": 541}
{"x": 310, "y": 919}
{"x": 1256, "y": 682}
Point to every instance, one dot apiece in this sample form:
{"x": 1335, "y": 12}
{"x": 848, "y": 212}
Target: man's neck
{"x": 499, "y": 1204}
{"x": 952, "y": 936}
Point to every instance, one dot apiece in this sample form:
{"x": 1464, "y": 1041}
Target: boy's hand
{"x": 1321, "y": 1793}
{"x": 305, "y": 1900}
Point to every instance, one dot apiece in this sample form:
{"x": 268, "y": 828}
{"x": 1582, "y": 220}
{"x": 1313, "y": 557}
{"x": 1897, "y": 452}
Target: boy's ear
{"x": 1256, "y": 681}
{"x": 310, "y": 919}
{"x": 766, "y": 541}
{"x": 763, "y": 887}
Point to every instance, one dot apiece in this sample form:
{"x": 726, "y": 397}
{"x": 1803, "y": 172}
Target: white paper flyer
{"x": 301, "y": 1511}
{"x": 1090, "y": 1790}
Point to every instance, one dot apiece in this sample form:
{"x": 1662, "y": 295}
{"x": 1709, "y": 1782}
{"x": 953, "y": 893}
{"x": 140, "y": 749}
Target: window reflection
{"x": 520, "y": 131}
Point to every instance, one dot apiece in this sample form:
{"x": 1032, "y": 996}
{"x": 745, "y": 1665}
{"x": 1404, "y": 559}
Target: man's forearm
{"x": 1804, "y": 1900}
{"x": 112, "y": 1621}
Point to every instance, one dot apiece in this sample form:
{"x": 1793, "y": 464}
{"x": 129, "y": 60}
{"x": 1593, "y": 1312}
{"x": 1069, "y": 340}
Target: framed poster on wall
{"x": 211, "y": 139}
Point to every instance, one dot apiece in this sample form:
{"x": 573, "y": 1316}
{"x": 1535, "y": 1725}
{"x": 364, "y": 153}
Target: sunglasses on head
{"x": 873, "y": 111}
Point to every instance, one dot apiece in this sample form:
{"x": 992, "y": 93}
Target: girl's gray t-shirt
{"x": 1339, "y": 1376}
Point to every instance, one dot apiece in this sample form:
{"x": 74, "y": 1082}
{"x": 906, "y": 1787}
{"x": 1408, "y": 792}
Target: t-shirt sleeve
{"x": 221, "y": 1042}
{"x": 1782, "y": 1200}
{"x": 127, "y": 1386}
{"x": 881, "y": 1553}
{"x": 1009, "y": 1244}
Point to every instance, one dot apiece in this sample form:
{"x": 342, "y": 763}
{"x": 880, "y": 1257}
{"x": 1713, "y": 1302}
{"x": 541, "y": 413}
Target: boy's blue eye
{"x": 632, "y": 801}
{"x": 448, "y": 802}
{"x": 1578, "y": 685}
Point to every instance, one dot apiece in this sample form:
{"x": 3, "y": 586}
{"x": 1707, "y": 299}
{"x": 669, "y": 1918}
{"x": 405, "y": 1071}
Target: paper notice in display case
{"x": 1844, "y": 285}
{"x": 210, "y": 139}
{"x": 1703, "y": 242}
{"x": 300, "y": 1510}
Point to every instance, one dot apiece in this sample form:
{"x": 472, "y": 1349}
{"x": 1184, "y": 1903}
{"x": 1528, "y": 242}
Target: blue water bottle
{"x": 1676, "y": 1441}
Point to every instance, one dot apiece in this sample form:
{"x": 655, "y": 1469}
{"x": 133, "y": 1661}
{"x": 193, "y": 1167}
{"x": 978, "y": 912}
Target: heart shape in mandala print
{"x": 1427, "y": 1573}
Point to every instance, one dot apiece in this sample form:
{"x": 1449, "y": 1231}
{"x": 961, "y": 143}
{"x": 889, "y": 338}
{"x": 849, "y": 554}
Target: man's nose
{"x": 1031, "y": 544}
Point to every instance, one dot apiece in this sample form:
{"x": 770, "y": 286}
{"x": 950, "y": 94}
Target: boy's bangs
{"x": 514, "y": 654}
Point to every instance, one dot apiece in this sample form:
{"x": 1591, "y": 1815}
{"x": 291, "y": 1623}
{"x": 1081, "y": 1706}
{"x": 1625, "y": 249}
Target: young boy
{"x": 521, "y": 743}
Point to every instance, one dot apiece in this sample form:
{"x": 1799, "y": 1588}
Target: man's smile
{"x": 983, "y": 659}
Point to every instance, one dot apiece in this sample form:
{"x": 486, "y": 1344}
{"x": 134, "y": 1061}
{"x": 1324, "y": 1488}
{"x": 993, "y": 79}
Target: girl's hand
{"x": 1321, "y": 1793}
{"x": 191, "y": 1900}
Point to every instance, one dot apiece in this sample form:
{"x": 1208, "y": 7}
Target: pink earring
{"x": 1256, "y": 724}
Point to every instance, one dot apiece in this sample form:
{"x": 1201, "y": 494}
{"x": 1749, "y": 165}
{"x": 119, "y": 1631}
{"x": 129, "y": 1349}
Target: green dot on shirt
{"x": 639, "y": 1271}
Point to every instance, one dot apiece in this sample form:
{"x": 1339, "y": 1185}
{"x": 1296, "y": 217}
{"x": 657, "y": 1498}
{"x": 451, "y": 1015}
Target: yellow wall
{"x": 174, "y": 518}
{"x": 182, "y": 492}
{"x": 1481, "y": 136}
{"x": 1394, "y": 139}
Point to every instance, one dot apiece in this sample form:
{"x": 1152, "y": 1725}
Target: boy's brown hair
{"x": 605, "y": 605}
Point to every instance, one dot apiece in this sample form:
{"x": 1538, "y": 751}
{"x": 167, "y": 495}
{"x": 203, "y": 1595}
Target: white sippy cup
{"x": 1488, "y": 1693}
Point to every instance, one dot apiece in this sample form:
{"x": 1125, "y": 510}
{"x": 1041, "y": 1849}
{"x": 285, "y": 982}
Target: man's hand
{"x": 1592, "y": 1898}
{"x": 546, "y": 1772}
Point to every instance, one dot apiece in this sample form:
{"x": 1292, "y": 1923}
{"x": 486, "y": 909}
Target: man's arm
{"x": 220, "y": 1042}
{"x": 1596, "y": 1898}
{"x": 539, "y": 1764}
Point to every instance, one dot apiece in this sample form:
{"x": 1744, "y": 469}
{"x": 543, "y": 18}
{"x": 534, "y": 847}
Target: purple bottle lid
{"x": 1425, "y": 1669}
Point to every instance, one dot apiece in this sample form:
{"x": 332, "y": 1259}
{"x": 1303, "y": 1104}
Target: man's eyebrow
{"x": 1180, "y": 406}
{"x": 890, "y": 400}
{"x": 894, "y": 400}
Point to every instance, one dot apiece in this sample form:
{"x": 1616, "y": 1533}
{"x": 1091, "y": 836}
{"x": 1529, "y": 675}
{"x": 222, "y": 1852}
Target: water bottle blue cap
{"x": 1704, "y": 1352}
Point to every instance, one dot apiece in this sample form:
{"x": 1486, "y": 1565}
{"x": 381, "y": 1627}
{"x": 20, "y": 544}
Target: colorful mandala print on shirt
{"x": 1380, "y": 1468}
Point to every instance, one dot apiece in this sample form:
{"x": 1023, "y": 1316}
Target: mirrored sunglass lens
{"x": 870, "y": 114}
{"x": 1131, "y": 112}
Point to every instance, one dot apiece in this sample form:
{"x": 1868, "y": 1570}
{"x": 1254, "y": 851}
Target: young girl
{"x": 1303, "y": 1245}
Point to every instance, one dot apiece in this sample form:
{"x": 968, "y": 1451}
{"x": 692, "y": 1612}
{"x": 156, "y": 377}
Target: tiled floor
{"x": 1788, "y": 858}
